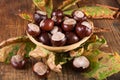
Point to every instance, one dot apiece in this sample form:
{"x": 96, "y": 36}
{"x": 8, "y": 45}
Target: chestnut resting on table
{"x": 41, "y": 69}
{"x": 18, "y": 61}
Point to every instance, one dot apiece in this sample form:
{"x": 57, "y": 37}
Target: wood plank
{"x": 11, "y": 25}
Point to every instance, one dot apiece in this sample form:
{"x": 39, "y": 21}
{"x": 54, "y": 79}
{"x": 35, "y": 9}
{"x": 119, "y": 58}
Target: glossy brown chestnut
{"x": 68, "y": 24}
{"x": 83, "y": 30}
{"x": 18, "y": 62}
{"x": 71, "y": 38}
{"x": 79, "y": 15}
{"x": 57, "y": 16}
{"x": 58, "y": 39}
{"x": 58, "y": 13}
{"x": 33, "y": 29}
{"x": 44, "y": 38}
{"x": 41, "y": 69}
{"x": 39, "y": 16}
{"x": 47, "y": 24}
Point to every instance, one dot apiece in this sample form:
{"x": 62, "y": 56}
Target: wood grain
{"x": 11, "y": 26}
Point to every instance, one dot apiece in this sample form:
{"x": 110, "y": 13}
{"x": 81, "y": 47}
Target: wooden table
{"x": 11, "y": 26}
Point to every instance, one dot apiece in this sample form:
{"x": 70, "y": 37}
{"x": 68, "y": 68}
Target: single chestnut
{"x": 71, "y": 38}
{"x": 79, "y": 15}
{"x": 18, "y": 61}
{"x": 68, "y": 24}
{"x": 58, "y": 13}
{"x": 57, "y": 16}
{"x": 56, "y": 29}
{"x": 81, "y": 62}
{"x": 41, "y": 69}
{"x": 39, "y": 16}
{"x": 44, "y": 38}
{"x": 58, "y": 39}
{"x": 47, "y": 24}
{"x": 33, "y": 29}
{"x": 83, "y": 29}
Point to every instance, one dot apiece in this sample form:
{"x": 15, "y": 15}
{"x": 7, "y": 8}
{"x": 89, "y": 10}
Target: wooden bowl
{"x": 62, "y": 48}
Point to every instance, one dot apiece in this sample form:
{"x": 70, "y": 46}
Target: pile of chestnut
{"x": 60, "y": 29}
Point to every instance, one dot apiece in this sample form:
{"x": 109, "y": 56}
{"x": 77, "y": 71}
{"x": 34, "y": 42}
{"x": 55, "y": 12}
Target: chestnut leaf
{"x": 12, "y": 53}
{"x": 95, "y": 12}
{"x": 102, "y": 64}
{"x": 44, "y": 5}
{"x": 26, "y": 16}
{"x": 98, "y": 12}
{"x": 67, "y": 4}
{"x": 40, "y": 4}
{"x": 10, "y": 47}
{"x": 49, "y": 7}
{"x": 95, "y": 42}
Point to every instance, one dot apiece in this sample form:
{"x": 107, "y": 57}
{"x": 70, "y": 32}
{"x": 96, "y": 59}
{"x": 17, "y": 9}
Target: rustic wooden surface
{"x": 11, "y": 26}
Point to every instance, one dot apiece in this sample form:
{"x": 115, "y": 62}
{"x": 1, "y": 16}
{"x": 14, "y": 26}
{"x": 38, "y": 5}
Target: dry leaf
{"x": 26, "y": 16}
{"x": 67, "y": 4}
{"x": 40, "y": 4}
{"x": 51, "y": 63}
{"x": 102, "y": 64}
{"x": 39, "y": 52}
{"x": 44, "y": 5}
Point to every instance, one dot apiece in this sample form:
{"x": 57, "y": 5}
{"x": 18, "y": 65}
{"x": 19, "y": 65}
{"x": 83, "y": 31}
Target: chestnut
{"x": 56, "y": 29}
{"x": 40, "y": 69}
{"x": 57, "y": 13}
{"x": 79, "y": 15}
{"x": 44, "y": 38}
{"x": 18, "y": 61}
{"x": 39, "y": 16}
{"x": 71, "y": 38}
{"x": 58, "y": 39}
{"x": 57, "y": 20}
{"x": 68, "y": 24}
{"x": 81, "y": 62}
{"x": 84, "y": 29}
{"x": 33, "y": 29}
{"x": 57, "y": 16}
{"x": 47, "y": 24}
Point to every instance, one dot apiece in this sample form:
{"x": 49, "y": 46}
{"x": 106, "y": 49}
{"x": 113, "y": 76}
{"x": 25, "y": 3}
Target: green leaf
{"x": 29, "y": 47}
{"x": 26, "y": 16}
{"x": 62, "y": 58}
{"x": 67, "y": 4}
{"x": 49, "y": 7}
{"x": 68, "y": 12}
{"x": 97, "y": 12}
